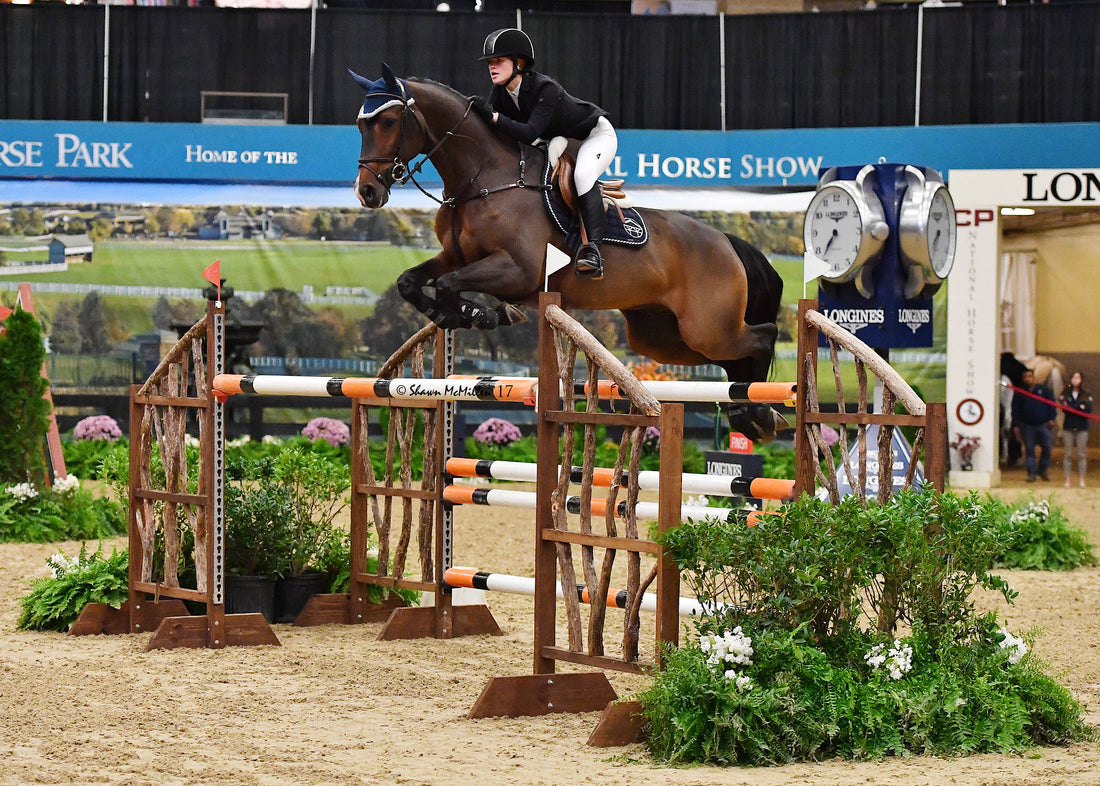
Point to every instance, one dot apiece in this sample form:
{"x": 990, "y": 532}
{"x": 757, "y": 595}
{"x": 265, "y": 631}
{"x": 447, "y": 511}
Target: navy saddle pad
{"x": 629, "y": 230}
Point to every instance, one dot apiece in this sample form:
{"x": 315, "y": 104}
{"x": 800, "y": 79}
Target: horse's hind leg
{"x": 655, "y": 333}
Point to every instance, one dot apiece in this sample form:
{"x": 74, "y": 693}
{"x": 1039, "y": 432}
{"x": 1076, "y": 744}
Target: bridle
{"x": 399, "y": 171}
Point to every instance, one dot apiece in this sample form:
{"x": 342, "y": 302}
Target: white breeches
{"x": 595, "y": 155}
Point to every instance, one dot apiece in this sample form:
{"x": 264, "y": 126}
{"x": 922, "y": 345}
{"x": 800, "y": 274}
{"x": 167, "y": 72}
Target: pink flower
{"x": 332, "y": 431}
{"x": 97, "y": 427}
{"x": 497, "y": 432}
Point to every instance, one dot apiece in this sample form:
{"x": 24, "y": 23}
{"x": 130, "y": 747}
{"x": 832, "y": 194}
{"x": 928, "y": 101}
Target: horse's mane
{"x": 451, "y": 94}
{"x": 447, "y": 89}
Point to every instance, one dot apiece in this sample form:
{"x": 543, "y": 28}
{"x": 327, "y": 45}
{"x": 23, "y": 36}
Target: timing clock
{"x": 926, "y": 231}
{"x": 845, "y": 227}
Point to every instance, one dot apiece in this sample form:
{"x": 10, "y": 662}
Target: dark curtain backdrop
{"x": 981, "y": 63}
{"x": 163, "y": 58}
{"x": 1018, "y": 66}
{"x": 52, "y": 58}
{"x": 820, "y": 70}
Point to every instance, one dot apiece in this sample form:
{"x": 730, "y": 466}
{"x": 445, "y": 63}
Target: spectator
{"x": 1075, "y": 429}
{"x": 1033, "y": 415}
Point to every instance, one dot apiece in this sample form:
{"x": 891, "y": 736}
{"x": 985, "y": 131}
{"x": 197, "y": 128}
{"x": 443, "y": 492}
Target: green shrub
{"x": 914, "y": 560}
{"x": 55, "y": 603}
{"x": 1037, "y": 536}
{"x": 795, "y": 700}
{"x": 820, "y": 592}
{"x": 24, "y": 414}
{"x": 84, "y": 457}
{"x": 335, "y": 562}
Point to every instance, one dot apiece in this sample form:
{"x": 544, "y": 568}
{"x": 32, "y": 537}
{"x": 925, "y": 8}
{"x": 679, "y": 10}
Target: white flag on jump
{"x": 556, "y": 259}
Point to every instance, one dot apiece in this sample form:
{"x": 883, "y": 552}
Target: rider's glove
{"x": 482, "y": 107}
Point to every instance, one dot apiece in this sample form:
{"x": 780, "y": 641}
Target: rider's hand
{"x": 482, "y": 107}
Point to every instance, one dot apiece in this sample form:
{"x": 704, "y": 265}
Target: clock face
{"x": 834, "y": 228}
{"x": 941, "y": 232}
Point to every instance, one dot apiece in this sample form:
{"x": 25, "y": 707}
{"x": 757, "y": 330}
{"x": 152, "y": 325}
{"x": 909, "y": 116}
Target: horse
{"x": 691, "y": 295}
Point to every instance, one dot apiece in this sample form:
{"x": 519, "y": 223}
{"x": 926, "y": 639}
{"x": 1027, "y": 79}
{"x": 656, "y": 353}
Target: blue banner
{"x": 327, "y": 155}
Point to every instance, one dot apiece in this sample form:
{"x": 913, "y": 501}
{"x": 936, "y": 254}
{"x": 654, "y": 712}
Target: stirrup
{"x": 589, "y": 262}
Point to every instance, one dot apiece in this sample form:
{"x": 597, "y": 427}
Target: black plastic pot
{"x": 293, "y": 592}
{"x": 247, "y": 594}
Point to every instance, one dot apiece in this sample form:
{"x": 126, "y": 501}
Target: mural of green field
{"x": 246, "y": 264}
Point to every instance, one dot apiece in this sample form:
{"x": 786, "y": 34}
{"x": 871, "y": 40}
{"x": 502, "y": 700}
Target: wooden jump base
{"x": 648, "y": 480}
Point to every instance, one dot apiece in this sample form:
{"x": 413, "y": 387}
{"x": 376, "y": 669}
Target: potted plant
{"x": 257, "y": 516}
{"x": 316, "y": 487}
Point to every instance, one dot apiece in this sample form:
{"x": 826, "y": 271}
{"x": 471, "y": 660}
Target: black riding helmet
{"x": 509, "y": 42}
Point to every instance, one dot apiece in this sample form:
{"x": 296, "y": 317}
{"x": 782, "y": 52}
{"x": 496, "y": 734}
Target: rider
{"x": 530, "y": 106}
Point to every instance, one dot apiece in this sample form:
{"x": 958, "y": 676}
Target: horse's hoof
{"x": 448, "y": 320}
{"x": 478, "y": 317}
{"x": 507, "y": 314}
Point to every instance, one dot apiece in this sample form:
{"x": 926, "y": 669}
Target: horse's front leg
{"x": 411, "y": 286}
{"x": 497, "y": 275}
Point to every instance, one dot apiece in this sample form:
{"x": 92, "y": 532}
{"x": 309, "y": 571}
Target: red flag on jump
{"x": 213, "y": 274}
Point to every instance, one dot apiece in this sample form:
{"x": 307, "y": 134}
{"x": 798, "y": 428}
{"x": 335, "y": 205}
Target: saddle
{"x": 625, "y": 225}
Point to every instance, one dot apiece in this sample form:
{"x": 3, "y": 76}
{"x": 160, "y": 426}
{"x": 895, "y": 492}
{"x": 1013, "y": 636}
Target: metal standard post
{"x": 215, "y": 612}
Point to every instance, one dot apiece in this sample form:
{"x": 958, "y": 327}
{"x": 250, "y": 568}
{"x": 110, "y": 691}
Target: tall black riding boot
{"x": 589, "y": 262}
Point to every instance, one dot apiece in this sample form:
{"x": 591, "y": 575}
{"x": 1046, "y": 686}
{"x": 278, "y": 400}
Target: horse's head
{"x": 391, "y": 134}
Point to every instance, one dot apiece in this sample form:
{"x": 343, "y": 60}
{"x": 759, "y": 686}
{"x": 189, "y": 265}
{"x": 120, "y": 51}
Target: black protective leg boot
{"x": 589, "y": 262}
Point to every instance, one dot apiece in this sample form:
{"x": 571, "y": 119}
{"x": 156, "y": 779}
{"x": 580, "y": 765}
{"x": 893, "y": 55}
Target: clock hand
{"x": 936, "y": 239}
{"x": 831, "y": 239}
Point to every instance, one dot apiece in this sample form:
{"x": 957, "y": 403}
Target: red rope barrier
{"x": 1062, "y": 407}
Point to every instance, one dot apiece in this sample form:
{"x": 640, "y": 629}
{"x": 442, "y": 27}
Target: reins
{"x": 401, "y": 173}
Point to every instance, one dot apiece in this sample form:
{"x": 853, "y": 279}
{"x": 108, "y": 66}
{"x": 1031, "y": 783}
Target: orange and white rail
{"x": 520, "y": 390}
{"x": 469, "y": 578}
{"x": 648, "y": 480}
{"x": 489, "y": 388}
{"x": 507, "y": 498}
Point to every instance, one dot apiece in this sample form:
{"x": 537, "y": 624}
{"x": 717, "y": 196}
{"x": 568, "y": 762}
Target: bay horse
{"x": 691, "y": 295}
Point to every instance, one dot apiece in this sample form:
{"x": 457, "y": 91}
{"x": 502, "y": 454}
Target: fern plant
{"x": 54, "y": 603}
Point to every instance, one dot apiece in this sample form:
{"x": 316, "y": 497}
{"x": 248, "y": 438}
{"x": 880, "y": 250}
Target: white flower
{"x": 898, "y": 660}
{"x": 190, "y": 441}
{"x": 22, "y": 491}
{"x": 59, "y": 565}
{"x": 697, "y": 502}
{"x": 271, "y": 439}
{"x": 236, "y": 443}
{"x": 727, "y": 651}
{"x": 1013, "y": 645}
{"x": 66, "y": 485}
{"x": 743, "y": 683}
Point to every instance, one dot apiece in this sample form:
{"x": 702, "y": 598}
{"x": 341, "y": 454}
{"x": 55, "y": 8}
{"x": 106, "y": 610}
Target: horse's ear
{"x": 388, "y": 77}
{"x": 362, "y": 81}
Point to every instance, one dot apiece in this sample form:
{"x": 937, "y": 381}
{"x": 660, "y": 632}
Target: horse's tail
{"x": 765, "y": 284}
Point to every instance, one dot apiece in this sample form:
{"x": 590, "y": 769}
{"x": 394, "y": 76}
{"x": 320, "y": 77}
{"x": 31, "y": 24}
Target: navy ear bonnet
{"x": 382, "y": 94}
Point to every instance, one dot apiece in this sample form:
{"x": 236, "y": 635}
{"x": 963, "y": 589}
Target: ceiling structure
{"x": 1047, "y": 218}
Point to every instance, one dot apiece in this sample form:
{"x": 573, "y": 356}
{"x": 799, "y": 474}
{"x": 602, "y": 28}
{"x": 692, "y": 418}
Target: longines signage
{"x": 1025, "y": 187}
